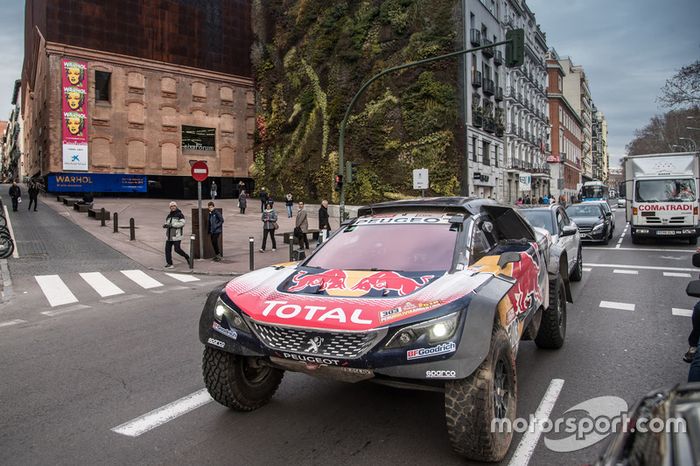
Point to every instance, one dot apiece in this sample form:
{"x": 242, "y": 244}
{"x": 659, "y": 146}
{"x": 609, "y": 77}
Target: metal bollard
{"x": 291, "y": 248}
{"x": 192, "y": 238}
{"x": 102, "y": 217}
{"x": 115, "y": 222}
{"x": 251, "y": 244}
{"x": 132, "y": 230}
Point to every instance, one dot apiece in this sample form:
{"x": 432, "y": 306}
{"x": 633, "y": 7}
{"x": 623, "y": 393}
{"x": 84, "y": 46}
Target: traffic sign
{"x": 420, "y": 178}
{"x": 200, "y": 171}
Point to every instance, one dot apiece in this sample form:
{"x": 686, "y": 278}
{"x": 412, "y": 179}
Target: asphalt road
{"x": 70, "y": 377}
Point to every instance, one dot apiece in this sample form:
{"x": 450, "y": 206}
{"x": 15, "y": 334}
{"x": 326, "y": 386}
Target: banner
{"x": 525, "y": 180}
{"x": 74, "y": 102}
{"x": 97, "y": 183}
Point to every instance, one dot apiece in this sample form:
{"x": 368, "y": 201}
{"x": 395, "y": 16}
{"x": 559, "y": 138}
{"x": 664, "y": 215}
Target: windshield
{"x": 669, "y": 190}
{"x": 397, "y": 247}
{"x": 593, "y": 192}
{"x": 583, "y": 210}
{"x": 539, "y": 218}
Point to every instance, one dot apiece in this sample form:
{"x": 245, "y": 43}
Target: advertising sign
{"x": 74, "y": 93}
{"x": 525, "y": 180}
{"x": 97, "y": 183}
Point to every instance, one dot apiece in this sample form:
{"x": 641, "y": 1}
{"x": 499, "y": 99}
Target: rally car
{"x": 426, "y": 294}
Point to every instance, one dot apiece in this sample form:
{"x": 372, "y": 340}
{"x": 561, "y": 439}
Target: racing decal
{"x": 225, "y": 331}
{"x": 311, "y": 359}
{"x": 525, "y": 294}
{"x": 215, "y": 342}
{"x": 440, "y": 374}
{"x": 336, "y": 282}
{"x": 406, "y": 310}
{"x": 442, "y": 348}
{"x": 393, "y": 218}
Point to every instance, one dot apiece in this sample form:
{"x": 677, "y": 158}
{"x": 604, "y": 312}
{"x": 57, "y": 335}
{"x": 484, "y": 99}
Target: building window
{"x": 102, "y": 85}
{"x": 198, "y": 139}
{"x": 485, "y": 155}
{"x": 495, "y": 159}
{"x": 474, "y": 148}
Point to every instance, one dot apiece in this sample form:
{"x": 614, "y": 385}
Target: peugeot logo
{"x": 314, "y": 345}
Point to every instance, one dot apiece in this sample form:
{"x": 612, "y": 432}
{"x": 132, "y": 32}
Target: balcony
{"x": 477, "y": 117}
{"x": 498, "y": 58}
{"x": 490, "y": 125}
{"x": 476, "y": 78}
{"x": 499, "y": 94}
{"x": 489, "y": 88}
{"x": 499, "y": 130}
{"x": 475, "y": 37}
{"x": 489, "y": 51}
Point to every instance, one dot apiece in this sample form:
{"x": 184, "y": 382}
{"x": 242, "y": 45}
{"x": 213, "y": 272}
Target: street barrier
{"x": 251, "y": 243}
{"x": 115, "y": 221}
{"x": 102, "y": 217}
{"x": 132, "y": 229}
{"x": 192, "y": 240}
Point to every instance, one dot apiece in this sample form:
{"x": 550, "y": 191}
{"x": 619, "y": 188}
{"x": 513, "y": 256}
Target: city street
{"x": 85, "y": 357}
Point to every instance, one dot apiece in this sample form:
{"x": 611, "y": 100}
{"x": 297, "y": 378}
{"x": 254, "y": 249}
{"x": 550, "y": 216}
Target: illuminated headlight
{"x": 221, "y": 311}
{"x": 598, "y": 227}
{"x": 431, "y": 331}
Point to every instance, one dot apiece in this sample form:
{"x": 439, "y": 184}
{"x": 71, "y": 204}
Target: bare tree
{"x": 663, "y": 132}
{"x": 683, "y": 89}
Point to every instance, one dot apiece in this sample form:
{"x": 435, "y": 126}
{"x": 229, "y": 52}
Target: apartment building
{"x": 578, "y": 94}
{"x": 599, "y": 150}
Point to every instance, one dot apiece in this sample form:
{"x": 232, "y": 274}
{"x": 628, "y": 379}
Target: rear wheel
{"x": 553, "y": 327}
{"x": 472, "y": 404}
{"x": 577, "y": 273}
{"x": 239, "y": 382}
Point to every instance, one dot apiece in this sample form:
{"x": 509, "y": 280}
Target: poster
{"x": 525, "y": 180}
{"x": 74, "y": 100}
{"x": 97, "y": 182}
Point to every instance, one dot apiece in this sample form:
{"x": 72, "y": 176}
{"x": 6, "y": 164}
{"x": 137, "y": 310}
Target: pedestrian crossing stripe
{"x": 143, "y": 280}
{"x": 55, "y": 290}
{"x": 182, "y": 278}
{"x": 101, "y": 284}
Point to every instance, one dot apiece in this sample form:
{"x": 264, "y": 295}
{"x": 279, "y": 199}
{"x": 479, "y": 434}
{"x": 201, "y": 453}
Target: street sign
{"x": 420, "y": 178}
{"x": 200, "y": 171}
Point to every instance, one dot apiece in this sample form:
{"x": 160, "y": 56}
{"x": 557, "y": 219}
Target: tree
{"x": 663, "y": 132}
{"x": 683, "y": 89}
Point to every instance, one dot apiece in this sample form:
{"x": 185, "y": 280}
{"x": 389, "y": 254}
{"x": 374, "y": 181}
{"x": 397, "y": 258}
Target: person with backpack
{"x": 174, "y": 232}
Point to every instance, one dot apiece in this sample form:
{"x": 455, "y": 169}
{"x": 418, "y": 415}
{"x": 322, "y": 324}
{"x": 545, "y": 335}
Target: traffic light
{"x": 515, "y": 48}
{"x": 338, "y": 182}
{"x": 350, "y": 170}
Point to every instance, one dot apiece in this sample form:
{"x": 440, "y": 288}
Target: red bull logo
{"x": 527, "y": 272}
{"x": 356, "y": 283}
{"x": 328, "y": 280}
{"x": 391, "y": 281}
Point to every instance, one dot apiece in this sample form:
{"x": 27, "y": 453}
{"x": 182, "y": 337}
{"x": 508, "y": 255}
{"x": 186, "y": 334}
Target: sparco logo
{"x": 428, "y": 352}
{"x": 314, "y": 359}
{"x": 440, "y": 374}
{"x": 214, "y": 342}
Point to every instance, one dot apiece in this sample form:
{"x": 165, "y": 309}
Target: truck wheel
{"x": 237, "y": 382}
{"x": 472, "y": 404}
{"x": 693, "y": 241}
{"x": 553, "y": 326}
{"x": 577, "y": 273}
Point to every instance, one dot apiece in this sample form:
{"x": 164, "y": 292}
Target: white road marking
{"x": 7, "y": 323}
{"x": 169, "y": 289}
{"x": 142, "y": 279}
{"x": 622, "y": 236}
{"x": 167, "y": 413}
{"x": 587, "y": 269}
{"x": 528, "y": 442}
{"x": 121, "y": 299}
{"x": 64, "y": 310}
{"x": 620, "y": 306}
{"x": 56, "y": 292}
{"x": 101, "y": 284}
{"x": 626, "y": 272}
{"x": 676, "y": 274}
{"x": 183, "y": 278}
{"x": 642, "y": 267}
{"x": 682, "y": 312}
{"x": 15, "y": 253}
{"x": 679, "y": 251}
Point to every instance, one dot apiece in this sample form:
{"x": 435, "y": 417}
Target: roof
{"x": 470, "y": 205}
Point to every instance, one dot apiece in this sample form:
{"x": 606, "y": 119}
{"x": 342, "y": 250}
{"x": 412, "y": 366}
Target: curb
{"x": 7, "y": 292}
{"x": 194, "y": 272}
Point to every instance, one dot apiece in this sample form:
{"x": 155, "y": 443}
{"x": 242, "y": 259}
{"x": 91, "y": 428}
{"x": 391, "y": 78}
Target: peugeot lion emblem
{"x": 314, "y": 345}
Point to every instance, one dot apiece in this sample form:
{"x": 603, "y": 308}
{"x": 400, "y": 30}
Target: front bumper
{"x": 665, "y": 232}
{"x": 597, "y": 236}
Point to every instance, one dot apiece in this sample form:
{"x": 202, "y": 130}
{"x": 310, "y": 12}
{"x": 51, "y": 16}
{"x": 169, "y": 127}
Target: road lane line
{"x": 587, "y": 269}
{"x": 64, "y": 310}
{"x": 626, "y": 272}
{"x": 56, "y": 292}
{"x": 643, "y": 267}
{"x": 142, "y": 279}
{"x": 682, "y": 312}
{"x": 676, "y": 274}
{"x": 620, "y": 306}
{"x": 167, "y": 413}
{"x": 7, "y": 323}
{"x": 101, "y": 284}
{"x": 182, "y": 278}
{"x": 687, "y": 251}
{"x": 528, "y": 442}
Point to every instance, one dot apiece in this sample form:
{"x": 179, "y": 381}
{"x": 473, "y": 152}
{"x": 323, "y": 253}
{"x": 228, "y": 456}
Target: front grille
{"x": 329, "y": 344}
{"x": 678, "y": 220}
{"x": 585, "y": 229}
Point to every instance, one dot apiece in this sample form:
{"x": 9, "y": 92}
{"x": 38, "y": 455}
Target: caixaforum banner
{"x": 74, "y": 94}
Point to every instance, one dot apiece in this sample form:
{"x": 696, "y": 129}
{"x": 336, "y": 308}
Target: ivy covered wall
{"x": 309, "y": 59}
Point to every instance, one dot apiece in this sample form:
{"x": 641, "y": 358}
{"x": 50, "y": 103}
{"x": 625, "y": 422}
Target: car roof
{"x": 469, "y": 205}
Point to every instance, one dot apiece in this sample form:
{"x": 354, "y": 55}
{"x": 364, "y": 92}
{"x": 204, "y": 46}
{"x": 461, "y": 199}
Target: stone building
{"x": 163, "y": 83}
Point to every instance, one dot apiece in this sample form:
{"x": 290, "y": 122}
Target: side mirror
{"x": 508, "y": 257}
{"x": 696, "y": 259}
{"x": 569, "y": 230}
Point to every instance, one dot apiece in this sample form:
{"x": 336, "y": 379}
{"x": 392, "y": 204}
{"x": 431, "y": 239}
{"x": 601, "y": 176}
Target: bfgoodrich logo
{"x": 432, "y": 351}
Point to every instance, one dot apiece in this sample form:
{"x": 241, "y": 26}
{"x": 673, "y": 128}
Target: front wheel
{"x": 577, "y": 273}
{"x": 238, "y": 382}
{"x": 553, "y": 327}
{"x": 476, "y": 406}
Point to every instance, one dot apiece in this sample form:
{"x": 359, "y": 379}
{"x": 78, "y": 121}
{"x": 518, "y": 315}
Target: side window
{"x": 560, "y": 220}
{"x": 567, "y": 220}
{"x": 483, "y": 240}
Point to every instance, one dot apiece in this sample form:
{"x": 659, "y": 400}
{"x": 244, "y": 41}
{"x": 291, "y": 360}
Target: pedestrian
{"x": 301, "y": 227}
{"x": 323, "y": 220}
{"x": 545, "y": 200}
{"x": 540, "y": 201}
{"x": 87, "y": 199}
{"x": 289, "y": 202}
{"x": 212, "y": 190}
{"x": 216, "y": 223}
{"x": 263, "y": 199}
{"x": 242, "y": 201}
{"x": 174, "y": 225}
{"x": 241, "y": 186}
{"x": 519, "y": 201}
{"x": 269, "y": 219}
{"x": 33, "y": 194}
{"x": 15, "y": 195}
{"x": 527, "y": 200}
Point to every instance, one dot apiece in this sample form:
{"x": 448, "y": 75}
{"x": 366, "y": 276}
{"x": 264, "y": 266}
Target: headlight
{"x": 433, "y": 331}
{"x": 223, "y": 312}
{"x": 599, "y": 227}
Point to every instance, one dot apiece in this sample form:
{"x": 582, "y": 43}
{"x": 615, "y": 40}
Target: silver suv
{"x": 565, "y": 234}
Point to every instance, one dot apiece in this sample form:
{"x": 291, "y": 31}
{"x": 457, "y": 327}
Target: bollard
{"x": 115, "y": 221}
{"x": 192, "y": 238}
{"x": 102, "y": 217}
{"x": 291, "y": 248}
{"x": 132, "y": 230}
{"x": 251, "y": 243}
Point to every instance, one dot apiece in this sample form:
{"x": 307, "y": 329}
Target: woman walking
{"x": 269, "y": 219}
{"x": 242, "y": 201}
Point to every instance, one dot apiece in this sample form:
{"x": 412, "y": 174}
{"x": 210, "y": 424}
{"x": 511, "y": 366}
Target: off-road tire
{"x": 226, "y": 381}
{"x": 553, "y": 326}
{"x": 470, "y": 404}
{"x": 577, "y": 273}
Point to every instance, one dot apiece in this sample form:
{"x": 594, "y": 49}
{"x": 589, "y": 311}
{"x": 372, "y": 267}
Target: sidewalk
{"x": 149, "y": 215}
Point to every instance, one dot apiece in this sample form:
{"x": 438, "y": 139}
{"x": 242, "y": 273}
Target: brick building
{"x": 155, "y": 84}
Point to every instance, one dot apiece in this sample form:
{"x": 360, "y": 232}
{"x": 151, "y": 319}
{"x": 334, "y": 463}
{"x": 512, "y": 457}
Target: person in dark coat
{"x": 242, "y": 201}
{"x": 15, "y": 195}
{"x": 323, "y": 220}
{"x": 33, "y": 194}
{"x": 175, "y": 226}
{"x": 301, "y": 227}
{"x": 216, "y": 223}
{"x": 264, "y": 197}
{"x": 269, "y": 219}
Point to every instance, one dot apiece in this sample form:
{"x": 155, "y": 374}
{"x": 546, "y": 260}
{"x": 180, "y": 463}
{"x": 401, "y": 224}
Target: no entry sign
{"x": 200, "y": 171}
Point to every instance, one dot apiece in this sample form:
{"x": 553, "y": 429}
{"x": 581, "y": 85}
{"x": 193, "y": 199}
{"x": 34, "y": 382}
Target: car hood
{"x": 587, "y": 221}
{"x": 348, "y": 300}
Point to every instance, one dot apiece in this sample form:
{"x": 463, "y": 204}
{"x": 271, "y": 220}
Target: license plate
{"x": 666, "y": 233}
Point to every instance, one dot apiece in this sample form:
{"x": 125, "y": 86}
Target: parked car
{"x": 621, "y": 202}
{"x": 592, "y": 221}
{"x": 423, "y": 294}
{"x": 564, "y": 233}
{"x": 608, "y": 213}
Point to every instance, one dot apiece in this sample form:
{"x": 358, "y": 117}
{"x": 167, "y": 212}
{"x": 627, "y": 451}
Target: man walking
{"x": 289, "y": 203}
{"x": 212, "y": 190}
{"x": 15, "y": 194}
{"x": 174, "y": 225}
{"x": 323, "y": 220}
{"x": 33, "y": 194}
{"x": 263, "y": 199}
{"x": 301, "y": 227}
{"x": 216, "y": 223}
